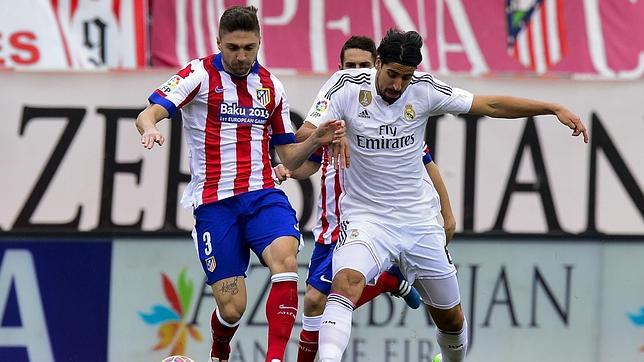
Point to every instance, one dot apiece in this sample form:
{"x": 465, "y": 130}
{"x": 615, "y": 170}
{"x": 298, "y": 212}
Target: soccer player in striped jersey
{"x": 232, "y": 108}
{"x": 357, "y": 52}
{"x": 388, "y": 206}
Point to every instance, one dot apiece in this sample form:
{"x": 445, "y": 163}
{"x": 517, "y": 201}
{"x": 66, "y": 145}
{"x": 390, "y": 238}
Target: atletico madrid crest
{"x": 264, "y": 96}
{"x": 211, "y": 264}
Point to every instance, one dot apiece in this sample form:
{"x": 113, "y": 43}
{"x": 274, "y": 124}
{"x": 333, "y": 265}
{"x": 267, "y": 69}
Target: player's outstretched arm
{"x": 305, "y": 171}
{"x": 146, "y": 125}
{"x": 449, "y": 222}
{"x": 514, "y": 107}
{"x": 293, "y": 155}
{"x": 305, "y": 131}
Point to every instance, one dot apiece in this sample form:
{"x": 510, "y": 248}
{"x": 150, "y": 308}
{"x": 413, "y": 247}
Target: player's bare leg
{"x": 442, "y": 300}
{"x": 230, "y": 296}
{"x": 281, "y": 304}
{"x": 451, "y": 334}
{"x": 314, "y": 302}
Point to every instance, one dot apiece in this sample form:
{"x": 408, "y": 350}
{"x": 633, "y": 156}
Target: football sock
{"x": 222, "y": 334}
{"x": 386, "y": 283}
{"x": 335, "y": 330}
{"x": 281, "y": 310}
{"x": 453, "y": 345}
{"x": 308, "y": 345}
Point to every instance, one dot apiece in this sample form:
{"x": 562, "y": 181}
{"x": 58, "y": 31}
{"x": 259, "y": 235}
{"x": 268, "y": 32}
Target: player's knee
{"x": 231, "y": 312}
{"x": 281, "y": 256}
{"x": 314, "y": 303}
{"x": 349, "y": 283}
{"x": 450, "y": 320}
{"x": 290, "y": 263}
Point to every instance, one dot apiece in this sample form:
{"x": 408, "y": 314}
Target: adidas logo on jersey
{"x": 364, "y": 114}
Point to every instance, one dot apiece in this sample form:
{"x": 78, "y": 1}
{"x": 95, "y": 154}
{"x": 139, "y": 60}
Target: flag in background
{"x": 103, "y": 34}
{"x": 536, "y": 32}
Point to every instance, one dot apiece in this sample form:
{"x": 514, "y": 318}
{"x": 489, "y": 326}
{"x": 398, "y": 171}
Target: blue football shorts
{"x": 320, "y": 268}
{"x": 225, "y": 231}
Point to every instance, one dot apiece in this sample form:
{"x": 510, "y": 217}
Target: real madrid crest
{"x": 364, "y": 97}
{"x": 409, "y": 112}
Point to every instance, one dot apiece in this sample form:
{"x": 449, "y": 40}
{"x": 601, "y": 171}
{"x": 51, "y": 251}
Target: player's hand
{"x": 573, "y": 122}
{"x": 449, "y": 224}
{"x": 340, "y": 153}
{"x": 330, "y": 132}
{"x": 281, "y": 174}
{"x": 151, "y": 136}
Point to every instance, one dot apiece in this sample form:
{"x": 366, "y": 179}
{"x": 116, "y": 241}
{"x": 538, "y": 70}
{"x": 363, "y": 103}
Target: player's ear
{"x": 219, "y": 42}
{"x": 339, "y": 66}
{"x": 378, "y": 63}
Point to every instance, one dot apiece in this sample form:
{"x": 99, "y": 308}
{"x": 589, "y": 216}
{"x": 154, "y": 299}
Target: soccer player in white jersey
{"x": 388, "y": 206}
{"x": 232, "y": 108}
{"x": 357, "y": 52}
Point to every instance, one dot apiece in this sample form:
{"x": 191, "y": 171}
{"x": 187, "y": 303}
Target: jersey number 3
{"x": 208, "y": 241}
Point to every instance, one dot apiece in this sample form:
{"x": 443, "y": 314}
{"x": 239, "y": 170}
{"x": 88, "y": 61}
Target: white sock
{"x": 311, "y": 323}
{"x": 335, "y": 330}
{"x": 453, "y": 344}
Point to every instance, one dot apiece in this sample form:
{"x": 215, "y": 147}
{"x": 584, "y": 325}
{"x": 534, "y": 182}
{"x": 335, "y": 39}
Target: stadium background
{"x": 96, "y": 263}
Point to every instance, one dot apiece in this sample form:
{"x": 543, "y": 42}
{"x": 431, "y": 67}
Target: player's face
{"x": 356, "y": 58}
{"x": 238, "y": 51}
{"x": 392, "y": 79}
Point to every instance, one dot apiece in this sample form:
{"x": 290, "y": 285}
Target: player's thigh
{"x": 427, "y": 257}
{"x": 273, "y": 219}
{"x": 361, "y": 247}
{"x": 442, "y": 294}
{"x": 320, "y": 274}
{"x": 217, "y": 238}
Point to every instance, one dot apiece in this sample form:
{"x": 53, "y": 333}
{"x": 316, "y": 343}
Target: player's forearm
{"x": 304, "y": 132}
{"x": 308, "y": 169}
{"x": 293, "y": 155}
{"x": 511, "y": 107}
{"x": 149, "y": 117}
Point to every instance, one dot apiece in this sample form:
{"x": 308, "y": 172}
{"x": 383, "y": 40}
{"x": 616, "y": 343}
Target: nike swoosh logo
{"x": 219, "y": 89}
{"x": 282, "y": 306}
{"x": 322, "y": 278}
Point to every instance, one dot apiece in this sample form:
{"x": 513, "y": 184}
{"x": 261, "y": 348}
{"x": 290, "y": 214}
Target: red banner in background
{"x": 73, "y": 34}
{"x": 582, "y": 37}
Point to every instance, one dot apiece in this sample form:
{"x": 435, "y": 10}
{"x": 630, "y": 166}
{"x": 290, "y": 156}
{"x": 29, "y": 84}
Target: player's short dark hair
{"x": 402, "y": 47}
{"x": 359, "y": 42}
{"x": 242, "y": 18}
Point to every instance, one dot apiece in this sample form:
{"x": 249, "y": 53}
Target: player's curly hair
{"x": 402, "y": 47}
{"x": 242, "y": 18}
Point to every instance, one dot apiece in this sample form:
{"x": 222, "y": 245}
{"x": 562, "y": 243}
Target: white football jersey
{"x": 386, "y": 180}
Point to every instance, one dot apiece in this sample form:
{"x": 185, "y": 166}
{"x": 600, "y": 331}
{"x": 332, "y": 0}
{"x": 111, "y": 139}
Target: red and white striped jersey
{"x": 327, "y": 226}
{"x": 228, "y": 123}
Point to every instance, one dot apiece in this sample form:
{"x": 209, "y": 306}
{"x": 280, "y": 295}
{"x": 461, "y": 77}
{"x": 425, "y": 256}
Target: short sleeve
{"x": 180, "y": 89}
{"x": 280, "y": 126}
{"x": 328, "y": 103}
{"x": 427, "y": 156}
{"x": 445, "y": 99}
